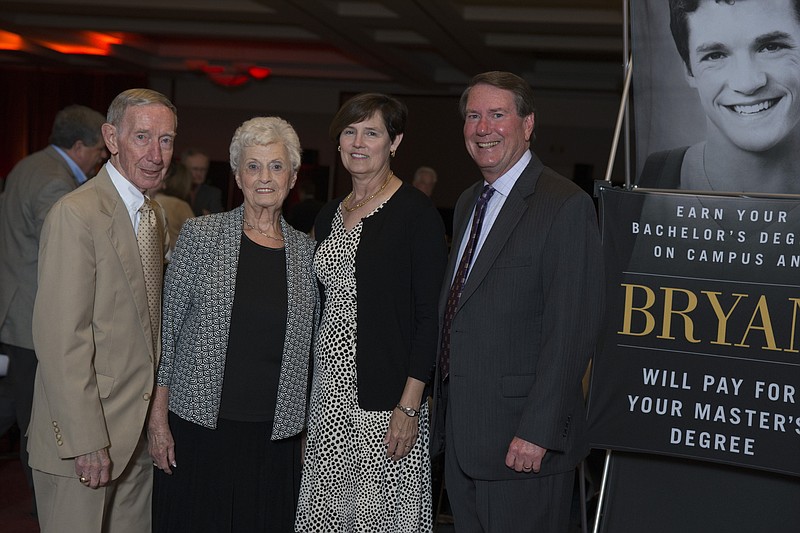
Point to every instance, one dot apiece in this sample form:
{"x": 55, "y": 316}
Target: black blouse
{"x": 256, "y": 335}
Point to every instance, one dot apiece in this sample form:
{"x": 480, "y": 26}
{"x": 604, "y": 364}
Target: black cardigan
{"x": 400, "y": 264}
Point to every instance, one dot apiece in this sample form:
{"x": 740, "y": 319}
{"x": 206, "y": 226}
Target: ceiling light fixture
{"x": 229, "y": 75}
{"x": 10, "y": 41}
{"x": 86, "y": 43}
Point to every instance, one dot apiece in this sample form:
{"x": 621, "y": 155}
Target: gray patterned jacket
{"x": 198, "y": 298}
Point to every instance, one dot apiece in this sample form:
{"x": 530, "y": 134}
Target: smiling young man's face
{"x": 745, "y": 65}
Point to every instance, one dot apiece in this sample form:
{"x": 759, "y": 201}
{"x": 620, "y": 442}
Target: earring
{"x": 339, "y": 148}
{"x": 391, "y": 153}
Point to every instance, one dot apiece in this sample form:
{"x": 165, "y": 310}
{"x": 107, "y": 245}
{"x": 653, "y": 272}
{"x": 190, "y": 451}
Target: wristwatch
{"x": 409, "y": 411}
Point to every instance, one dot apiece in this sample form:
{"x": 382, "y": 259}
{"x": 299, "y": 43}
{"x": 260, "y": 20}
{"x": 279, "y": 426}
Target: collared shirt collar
{"x": 77, "y": 173}
{"x": 506, "y": 182}
{"x": 502, "y": 187}
{"x": 131, "y": 196}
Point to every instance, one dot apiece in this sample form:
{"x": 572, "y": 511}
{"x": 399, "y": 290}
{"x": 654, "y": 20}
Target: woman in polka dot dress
{"x": 380, "y": 260}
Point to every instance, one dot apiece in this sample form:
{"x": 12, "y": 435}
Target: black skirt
{"x": 229, "y": 479}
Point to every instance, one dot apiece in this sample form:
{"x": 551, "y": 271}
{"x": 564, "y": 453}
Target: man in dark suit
{"x": 96, "y": 330}
{"x": 203, "y": 197}
{"x": 521, "y": 316}
{"x": 75, "y": 152}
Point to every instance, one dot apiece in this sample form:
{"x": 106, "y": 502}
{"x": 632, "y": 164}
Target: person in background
{"x": 33, "y": 186}
{"x": 303, "y": 213}
{"x": 520, "y": 309}
{"x": 96, "y": 330}
{"x": 203, "y": 197}
{"x": 425, "y": 180}
{"x": 171, "y": 195}
{"x": 380, "y": 260}
{"x": 240, "y": 307}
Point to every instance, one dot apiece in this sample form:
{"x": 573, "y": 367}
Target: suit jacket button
{"x": 146, "y": 396}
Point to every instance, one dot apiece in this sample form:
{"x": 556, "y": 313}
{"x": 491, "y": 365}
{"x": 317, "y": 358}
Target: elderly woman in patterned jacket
{"x": 240, "y": 309}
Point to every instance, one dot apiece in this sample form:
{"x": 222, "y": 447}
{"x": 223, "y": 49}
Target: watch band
{"x": 409, "y": 411}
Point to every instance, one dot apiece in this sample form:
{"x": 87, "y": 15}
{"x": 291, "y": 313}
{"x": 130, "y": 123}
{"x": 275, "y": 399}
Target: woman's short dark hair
{"x": 363, "y": 106}
{"x": 521, "y": 89}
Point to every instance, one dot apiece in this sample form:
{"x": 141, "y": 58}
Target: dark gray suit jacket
{"x": 525, "y": 328}
{"x": 207, "y": 200}
{"x": 32, "y": 187}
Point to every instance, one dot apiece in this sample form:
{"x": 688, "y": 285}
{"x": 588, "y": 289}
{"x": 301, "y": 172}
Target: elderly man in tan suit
{"x": 96, "y": 330}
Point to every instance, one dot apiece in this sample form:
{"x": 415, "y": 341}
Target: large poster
{"x": 716, "y": 91}
{"x": 701, "y": 356}
{"x": 716, "y": 101}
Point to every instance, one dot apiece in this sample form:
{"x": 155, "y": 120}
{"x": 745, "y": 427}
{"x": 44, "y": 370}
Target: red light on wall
{"x": 90, "y": 43}
{"x": 103, "y": 39}
{"x": 259, "y": 73}
{"x": 213, "y": 69}
{"x": 77, "y": 49}
{"x": 10, "y": 41}
{"x": 230, "y": 80}
{"x": 229, "y": 75}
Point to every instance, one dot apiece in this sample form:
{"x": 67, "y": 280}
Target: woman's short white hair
{"x": 261, "y": 131}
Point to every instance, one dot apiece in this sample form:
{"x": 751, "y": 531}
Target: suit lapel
{"x": 514, "y": 207}
{"x": 123, "y": 240}
{"x": 460, "y": 220}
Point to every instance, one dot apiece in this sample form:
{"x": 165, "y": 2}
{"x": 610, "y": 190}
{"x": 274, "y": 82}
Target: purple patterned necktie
{"x": 461, "y": 278}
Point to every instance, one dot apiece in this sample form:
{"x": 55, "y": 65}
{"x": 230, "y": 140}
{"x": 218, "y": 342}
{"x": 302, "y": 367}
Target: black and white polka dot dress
{"x": 349, "y": 485}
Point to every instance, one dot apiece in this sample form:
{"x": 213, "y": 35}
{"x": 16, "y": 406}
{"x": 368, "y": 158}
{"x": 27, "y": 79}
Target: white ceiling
{"x": 415, "y": 45}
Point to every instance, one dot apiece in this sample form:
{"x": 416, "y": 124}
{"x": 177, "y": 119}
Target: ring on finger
{"x": 84, "y": 480}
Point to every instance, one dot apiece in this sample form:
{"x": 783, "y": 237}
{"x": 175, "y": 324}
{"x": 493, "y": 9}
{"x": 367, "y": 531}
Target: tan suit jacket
{"x": 177, "y": 211}
{"x": 91, "y": 332}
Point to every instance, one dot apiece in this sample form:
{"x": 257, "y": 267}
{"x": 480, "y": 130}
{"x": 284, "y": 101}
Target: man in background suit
{"x": 203, "y": 197}
{"x": 96, "y": 330}
{"x": 518, "y": 334}
{"x": 75, "y": 152}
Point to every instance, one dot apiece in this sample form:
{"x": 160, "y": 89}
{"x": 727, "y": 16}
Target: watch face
{"x": 410, "y": 411}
